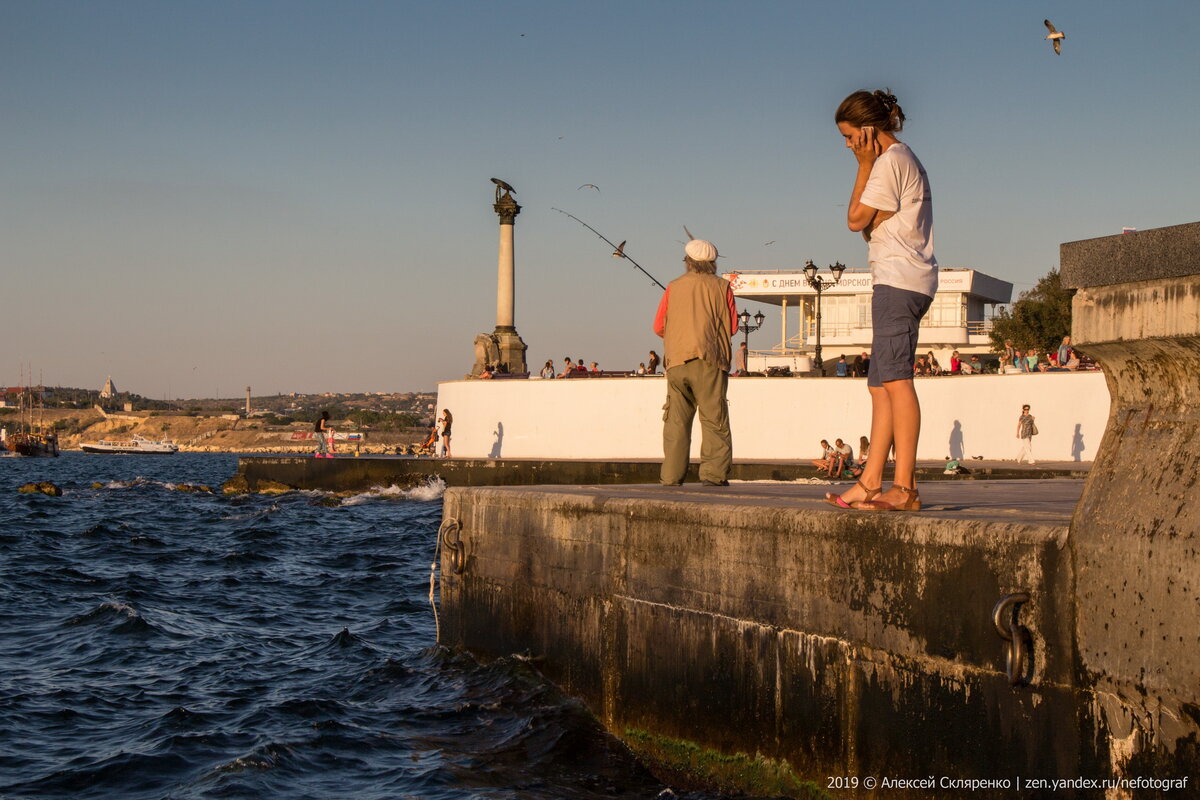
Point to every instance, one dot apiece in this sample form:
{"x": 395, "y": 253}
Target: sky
{"x": 295, "y": 196}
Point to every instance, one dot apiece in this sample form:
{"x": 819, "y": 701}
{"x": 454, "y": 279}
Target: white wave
{"x": 430, "y": 490}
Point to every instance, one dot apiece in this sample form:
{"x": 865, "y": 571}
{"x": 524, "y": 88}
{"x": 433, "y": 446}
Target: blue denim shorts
{"x": 895, "y": 315}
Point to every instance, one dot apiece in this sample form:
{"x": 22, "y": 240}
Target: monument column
{"x": 508, "y": 341}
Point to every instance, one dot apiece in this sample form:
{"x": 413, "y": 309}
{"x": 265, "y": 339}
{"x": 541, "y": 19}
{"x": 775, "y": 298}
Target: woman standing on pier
{"x": 444, "y": 423}
{"x": 321, "y": 434}
{"x": 891, "y": 205}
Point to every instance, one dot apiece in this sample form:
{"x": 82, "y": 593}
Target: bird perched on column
{"x": 501, "y": 185}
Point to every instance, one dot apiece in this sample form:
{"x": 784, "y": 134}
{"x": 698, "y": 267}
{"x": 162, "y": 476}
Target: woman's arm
{"x": 860, "y": 216}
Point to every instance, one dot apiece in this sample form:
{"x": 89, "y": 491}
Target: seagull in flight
{"x": 1056, "y": 36}
{"x": 620, "y": 251}
{"x": 589, "y": 186}
{"x": 768, "y": 244}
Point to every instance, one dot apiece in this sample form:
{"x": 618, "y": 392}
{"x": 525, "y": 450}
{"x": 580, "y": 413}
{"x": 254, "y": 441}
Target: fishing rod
{"x": 618, "y": 250}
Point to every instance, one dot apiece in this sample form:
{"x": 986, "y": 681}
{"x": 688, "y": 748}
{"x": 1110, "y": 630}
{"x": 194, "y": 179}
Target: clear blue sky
{"x": 198, "y": 196}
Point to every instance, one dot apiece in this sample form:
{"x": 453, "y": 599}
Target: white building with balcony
{"x": 957, "y": 318}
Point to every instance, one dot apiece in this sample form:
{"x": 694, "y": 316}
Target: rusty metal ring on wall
{"x": 1011, "y": 631}
{"x": 454, "y": 546}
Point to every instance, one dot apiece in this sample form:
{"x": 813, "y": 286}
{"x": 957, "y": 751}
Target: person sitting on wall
{"x": 842, "y": 369}
{"x": 843, "y": 456}
{"x": 921, "y": 368}
{"x": 548, "y": 370}
{"x": 976, "y": 365}
{"x": 823, "y": 462}
{"x": 568, "y": 368}
{"x": 595, "y": 367}
{"x": 580, "y": 368}
{"x": 934, "y": 367}
{"x": 1067, "y": 359}
{"x": 652, "y": 363}
{"x": 955, "y": 363}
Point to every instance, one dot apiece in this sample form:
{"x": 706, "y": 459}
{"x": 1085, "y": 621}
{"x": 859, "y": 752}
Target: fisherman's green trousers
{"x": 695, "y": 386}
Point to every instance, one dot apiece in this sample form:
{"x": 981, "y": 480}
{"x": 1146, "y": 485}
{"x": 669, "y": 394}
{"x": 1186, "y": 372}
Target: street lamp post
{"x": 746, "y": 328}
{"x": 821, "y": 284}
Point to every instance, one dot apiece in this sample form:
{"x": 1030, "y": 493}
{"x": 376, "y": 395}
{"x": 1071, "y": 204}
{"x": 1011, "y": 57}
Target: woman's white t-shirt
{"x": 900, "y": 252}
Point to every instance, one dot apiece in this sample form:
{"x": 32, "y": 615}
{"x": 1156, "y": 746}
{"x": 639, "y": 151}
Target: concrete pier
{"x": 754, "y": 638}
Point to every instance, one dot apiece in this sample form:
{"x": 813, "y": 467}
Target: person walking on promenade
{"x": 740, "y": 360}
{"x": 652, "y": 363}
{"x": 696, "y": 318}
{"x": 322, "y": 433}
{"x": 445, "y": 422}
{"x": 891, "y": 204}
{"x": 1026, "y": 430}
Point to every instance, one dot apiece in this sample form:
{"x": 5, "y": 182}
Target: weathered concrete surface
{"x": 757, "y": 620}
{"x": 1155, "y": 254}
{"x": 286, "y": 473}
{"x": 1135, "y": 536}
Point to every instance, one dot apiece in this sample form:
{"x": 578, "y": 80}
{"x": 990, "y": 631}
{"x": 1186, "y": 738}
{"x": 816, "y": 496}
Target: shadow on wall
{"x": 956, "y": 442}
{"x": 1077, "y": 445}
{"x": 499, "y": 443}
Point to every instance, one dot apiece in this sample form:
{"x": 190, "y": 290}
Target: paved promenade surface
{"x": 1035, "y": 501}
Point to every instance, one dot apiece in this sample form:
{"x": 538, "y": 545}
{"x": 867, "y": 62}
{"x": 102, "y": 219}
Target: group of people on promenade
{"x": 1015, "y": 361}
{"x": 838, "y": 460}
{"x": 891, "y": 206}
{"x": 576, "y": 369}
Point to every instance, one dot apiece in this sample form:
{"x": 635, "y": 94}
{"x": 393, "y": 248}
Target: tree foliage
{"x": 1039, "y": 319}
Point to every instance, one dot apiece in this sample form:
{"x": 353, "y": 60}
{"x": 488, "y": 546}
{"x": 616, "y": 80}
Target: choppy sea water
{"x": 164, "y": 644}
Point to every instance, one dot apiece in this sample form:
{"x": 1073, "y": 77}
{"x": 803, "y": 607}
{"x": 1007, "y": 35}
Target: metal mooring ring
{"x": 454, "y": 546}
{"x": 1004, "y": 617}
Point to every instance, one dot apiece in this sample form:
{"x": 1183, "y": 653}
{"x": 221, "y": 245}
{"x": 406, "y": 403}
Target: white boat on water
{"x": 136, "y": 444}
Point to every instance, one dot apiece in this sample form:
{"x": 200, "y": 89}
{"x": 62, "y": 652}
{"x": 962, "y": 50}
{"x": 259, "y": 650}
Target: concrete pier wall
{"x": 773, "y": 418}
{"x": 760, "y": 643}
{"x": 1135, "y": 536}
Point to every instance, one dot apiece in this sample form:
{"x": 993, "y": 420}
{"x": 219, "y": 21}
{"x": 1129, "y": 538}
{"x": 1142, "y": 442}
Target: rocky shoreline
{"x": 208, "y": 434}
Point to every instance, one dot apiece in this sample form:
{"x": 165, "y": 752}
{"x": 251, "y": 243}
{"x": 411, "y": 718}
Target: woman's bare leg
{"x": 906, "y": 430}
{"x": 881, "y": 443}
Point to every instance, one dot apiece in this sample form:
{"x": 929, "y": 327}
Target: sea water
{"x": 162, "y": 643}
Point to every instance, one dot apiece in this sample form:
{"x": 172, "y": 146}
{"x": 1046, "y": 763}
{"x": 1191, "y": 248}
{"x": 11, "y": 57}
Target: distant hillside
{"x": 209, "y": 433}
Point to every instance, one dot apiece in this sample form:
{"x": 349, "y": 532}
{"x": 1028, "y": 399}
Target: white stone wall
{"x": 773, "y": 418}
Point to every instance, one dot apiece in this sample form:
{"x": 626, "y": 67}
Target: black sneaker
{"x": 715, "y": 483}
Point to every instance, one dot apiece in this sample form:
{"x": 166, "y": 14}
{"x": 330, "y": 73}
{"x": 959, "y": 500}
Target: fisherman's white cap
{"x": 700, "y": 250}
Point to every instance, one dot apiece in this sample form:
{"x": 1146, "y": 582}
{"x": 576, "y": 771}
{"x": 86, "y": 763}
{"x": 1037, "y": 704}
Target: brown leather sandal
{"x": 836, "y": 499}
{"x": 912, "y": 502}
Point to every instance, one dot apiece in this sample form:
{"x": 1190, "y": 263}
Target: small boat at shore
{"x": 36, "y": 440}
{"x": 31, "y": 445}
{"x": 133, "y": 445}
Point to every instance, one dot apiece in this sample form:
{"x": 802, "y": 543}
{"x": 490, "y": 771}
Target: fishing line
{"x": 617, "y": 250}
